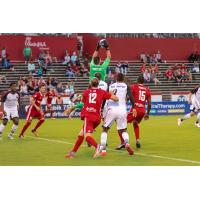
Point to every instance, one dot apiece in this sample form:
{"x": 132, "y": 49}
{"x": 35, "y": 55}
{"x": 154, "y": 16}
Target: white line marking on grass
{"x": 140, "y": 154}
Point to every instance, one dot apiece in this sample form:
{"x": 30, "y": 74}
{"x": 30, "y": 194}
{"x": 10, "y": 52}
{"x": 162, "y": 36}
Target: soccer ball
{"x": 103, "y": 42}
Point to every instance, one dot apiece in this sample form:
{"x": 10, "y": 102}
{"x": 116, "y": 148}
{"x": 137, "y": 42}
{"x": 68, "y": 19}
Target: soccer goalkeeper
{"x": 95, "y": 65}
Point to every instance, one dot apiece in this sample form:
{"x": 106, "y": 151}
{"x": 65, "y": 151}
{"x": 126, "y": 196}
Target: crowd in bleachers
{"x": 29, "y": 85}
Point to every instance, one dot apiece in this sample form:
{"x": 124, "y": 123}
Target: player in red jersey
{"x": 49, "y": 97}
{"x": 35, "y": 111}
{"x": 141, "y": 94}
{"x": 91, "y": 114}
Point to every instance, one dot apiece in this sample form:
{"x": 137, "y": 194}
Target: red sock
{"x": 78, "y": 143}
{"x": 25, "y": 127}
{"x": 91, "y": 141}
{"x": 136, "y": 130}
{"x": 121, "y": 138}
{"x": 41, "y": 121}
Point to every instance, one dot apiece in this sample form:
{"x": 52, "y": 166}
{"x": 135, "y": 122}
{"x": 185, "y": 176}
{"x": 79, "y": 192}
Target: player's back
{"x": 120, "y": 90}
{"x": 103, "y": 85}
{"x": 140, "y": 94}
{"x": 92, "y": 99}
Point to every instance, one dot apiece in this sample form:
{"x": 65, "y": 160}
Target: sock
{"x": 125, "y": 137}
{"x": 1, "y": 128}
{"x": 91, "y": 141}
{"x": 51, "y": 114}
{"x": 186, "y": 117}
{"x": 25, "y": 127}
{"x": 104, "y": 136}
{"x": 198, "y": 117}
{"x": 13, "y": 129}
{"x": 121, "y": 138}
{"x": 40, "y": 122}
{"x": 78, "y": 143}
{"x": 137, "y": 131}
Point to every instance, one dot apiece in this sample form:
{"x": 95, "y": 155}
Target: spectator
{"x": 147, "y": 76}
{"x": 41, "y": 58}
{"x": 143, "y": 68}
{"x": 186, "y": 76}
{"x": 158, "y": 57}
{"x": 59, "y": 88}
{"x": 143, "y": 57}
{"x": 40, "y": 71}
{"x": 178, "y": 76}
{"x": 3, "y": 53}
{"x": 59, "y": 100}
{"x": 154, "y": 77}
{"x": 175, "y": 67}
{"x": 31, "y": 68}
{"x": 23, "y": 89}
{"x": 54, "y": 82}
{"x": 169, "y": 74}
{"x": 183, "y": 67}
{"x": 71, "y": 87}
{"x": 195, "y": 67}
{"x": 67, "y": 90}
{"x": 48, "y": 59}
{"x": 74, "y": 58}
{"x": 70, "y": 73}
{"x": 124, "y": 68}
{"x": 41, "y": 81}
{"x": 3, "y": 79}
{"x": 67, "y": 59}
{"x": 27, "y": 54}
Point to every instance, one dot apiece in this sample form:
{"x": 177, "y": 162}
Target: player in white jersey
{"x": 9, "y": 105}
{"x": 117, "y": 112}
{"x": 194, "y": 100}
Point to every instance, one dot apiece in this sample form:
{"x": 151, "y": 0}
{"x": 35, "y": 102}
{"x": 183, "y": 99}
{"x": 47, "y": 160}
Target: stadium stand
{"x": 80, "y": 83}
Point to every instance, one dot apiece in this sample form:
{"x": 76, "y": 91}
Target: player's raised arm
{"x": 96, "y": 52}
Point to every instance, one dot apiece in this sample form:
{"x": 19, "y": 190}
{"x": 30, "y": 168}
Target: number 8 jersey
{"x": 140, "y": 94}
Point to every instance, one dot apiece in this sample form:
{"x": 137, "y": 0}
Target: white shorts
{"x": 11, "y": 113}
{"x": 195, "y": 105}
{"x": 117, "y": 115}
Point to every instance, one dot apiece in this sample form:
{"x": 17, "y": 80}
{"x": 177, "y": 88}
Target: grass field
{"x": 163, "y": 144}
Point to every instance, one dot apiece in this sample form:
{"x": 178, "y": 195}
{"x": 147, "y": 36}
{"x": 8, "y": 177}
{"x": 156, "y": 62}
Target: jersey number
{"x": 92, "y": 97}
{"x": 115, "y": 91}
{"x": 142, "y": 95}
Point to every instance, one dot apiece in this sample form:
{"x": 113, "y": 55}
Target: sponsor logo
{"x": 182, "y": 98}
{"x": 176, "y": 111}
{"x": 28, "y": 42}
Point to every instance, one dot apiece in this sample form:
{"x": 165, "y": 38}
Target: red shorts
{"x": 138, "y": 118}
{"x": 90, "y": 123}
{"x": 33, "y": 113}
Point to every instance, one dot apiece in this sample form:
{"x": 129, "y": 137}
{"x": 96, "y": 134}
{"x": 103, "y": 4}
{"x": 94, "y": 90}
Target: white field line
{"x": 141, "y": 154}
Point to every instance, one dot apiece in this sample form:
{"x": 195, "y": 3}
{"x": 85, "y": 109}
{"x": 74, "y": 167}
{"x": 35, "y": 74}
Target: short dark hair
{"x": 98, "y": 75}
{"x": 120, "y": 77}
{"x": 13, "y": 83}
{"x": 96, "y": 60}
{"x": 140, "y": 79}
{"x": 94, "y": 82}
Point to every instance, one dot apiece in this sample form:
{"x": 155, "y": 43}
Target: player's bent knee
{"x": 88, "y": 135}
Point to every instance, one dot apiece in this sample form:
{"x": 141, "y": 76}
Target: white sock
{"x": 104, "y": 136}
{"x": 198, "y": 117}
{"x": 186, "y": 116}
{"x": 125, "y": 137}
{"x": 1, "y": 128}
{"x": 13, "y": 129}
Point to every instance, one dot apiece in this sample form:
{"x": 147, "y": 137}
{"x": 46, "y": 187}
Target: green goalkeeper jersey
{"x": 102, "y": 69}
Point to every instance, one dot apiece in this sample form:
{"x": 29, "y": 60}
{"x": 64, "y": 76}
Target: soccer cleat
{"x": 70, "y": 155}
{"x": 10, "y": 136}
{"x": 138, "y": 145}
{"x": 21, "y": 136}
{"x": 35, "y": 133}
{"x": 129, "y": 149}
{"x": 97, "y": 152}
{"x": 103, "y": 153}
{"x": 121, "y": 146}
{"x": 197, "y": 124}
{"x": 179, "y": 121}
